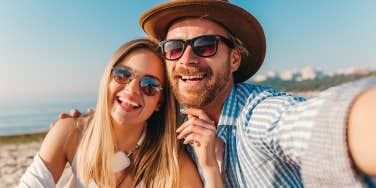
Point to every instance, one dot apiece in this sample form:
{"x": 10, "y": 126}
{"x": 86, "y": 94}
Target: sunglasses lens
{"x": 150, "y": 86}
{"x": 173, "y": 49}
{"x": 205, "y": 46}
{"x": 121, "y": 75}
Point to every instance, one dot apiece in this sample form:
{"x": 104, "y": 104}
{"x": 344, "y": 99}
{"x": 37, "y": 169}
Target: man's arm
{"x": 362, "y": 132}
{"x": 315, "y": 134}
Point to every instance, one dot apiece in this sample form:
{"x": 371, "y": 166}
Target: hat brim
{"x": 156, "y": 21}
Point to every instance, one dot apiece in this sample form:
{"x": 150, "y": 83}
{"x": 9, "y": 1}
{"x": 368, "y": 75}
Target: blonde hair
{"x": 156, "y": 165}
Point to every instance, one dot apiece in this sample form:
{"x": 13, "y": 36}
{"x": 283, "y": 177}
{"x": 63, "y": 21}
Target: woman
{"x": 130, "y": 140}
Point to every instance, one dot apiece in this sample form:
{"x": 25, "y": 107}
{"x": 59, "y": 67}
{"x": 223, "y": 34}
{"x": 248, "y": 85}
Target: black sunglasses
{"x": 149, "y": 85}
{"x": 203, "y": 46}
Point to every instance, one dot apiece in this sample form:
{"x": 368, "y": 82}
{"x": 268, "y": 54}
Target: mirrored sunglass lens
{"x": 205, "y": 46}
{"x": 122, "y": 75}
{"x": 150, "y": 86}
{"x": 173, "y": 49}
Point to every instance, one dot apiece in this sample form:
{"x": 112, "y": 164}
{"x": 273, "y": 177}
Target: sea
{"x": 35, "y": 116}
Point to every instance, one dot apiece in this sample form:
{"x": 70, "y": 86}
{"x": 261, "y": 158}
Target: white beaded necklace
{"x": 121, "y": 159}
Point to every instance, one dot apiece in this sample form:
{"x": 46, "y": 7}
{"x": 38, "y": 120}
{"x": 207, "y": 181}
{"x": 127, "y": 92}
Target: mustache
{"x": 192, "y": 70}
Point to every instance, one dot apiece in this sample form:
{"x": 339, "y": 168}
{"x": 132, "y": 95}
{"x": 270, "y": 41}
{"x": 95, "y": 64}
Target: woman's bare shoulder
{"x": 62, "y": 134}
{"x": 53, "y": 150}
{"x": 189, "y": 176}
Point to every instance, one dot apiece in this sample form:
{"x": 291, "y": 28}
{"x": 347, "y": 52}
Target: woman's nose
{"x": 133, "y": 87}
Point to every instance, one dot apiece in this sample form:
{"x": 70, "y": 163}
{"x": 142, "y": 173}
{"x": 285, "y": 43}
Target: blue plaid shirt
{"x": 267, "y": 135}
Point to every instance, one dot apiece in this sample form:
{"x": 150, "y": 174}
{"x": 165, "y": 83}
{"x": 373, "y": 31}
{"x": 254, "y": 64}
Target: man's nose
{"x": 189, "y": 58}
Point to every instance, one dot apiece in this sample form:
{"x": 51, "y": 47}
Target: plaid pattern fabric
{"x": 267, "y": 134}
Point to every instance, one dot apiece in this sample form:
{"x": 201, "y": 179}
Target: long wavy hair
{"x": 156, "y": 165}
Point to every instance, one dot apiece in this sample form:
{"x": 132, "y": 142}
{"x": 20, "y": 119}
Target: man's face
{"x": 195, "y": 80}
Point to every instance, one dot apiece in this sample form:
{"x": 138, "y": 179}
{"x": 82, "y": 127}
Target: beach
{"x": 14, "y": 160}
{"x": 17, "y": 153}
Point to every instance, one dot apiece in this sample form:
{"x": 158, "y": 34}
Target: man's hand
{"x": 362, "y": 132}
{"x": 73, "y": 113}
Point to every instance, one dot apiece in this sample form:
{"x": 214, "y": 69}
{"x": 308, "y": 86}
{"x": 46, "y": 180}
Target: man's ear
{"x": 236, "y": 58}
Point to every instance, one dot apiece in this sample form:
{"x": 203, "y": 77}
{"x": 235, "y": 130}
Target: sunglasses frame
{"x": 133, "y": 75}
{"x": 190, "y": 42}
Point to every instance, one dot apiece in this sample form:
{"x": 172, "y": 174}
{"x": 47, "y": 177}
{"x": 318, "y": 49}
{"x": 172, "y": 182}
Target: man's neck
{"x": 214, "y": 109}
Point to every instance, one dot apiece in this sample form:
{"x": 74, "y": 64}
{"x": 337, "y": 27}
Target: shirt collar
{"x": 230, "y": 109}
{"x": 228, "y": 116}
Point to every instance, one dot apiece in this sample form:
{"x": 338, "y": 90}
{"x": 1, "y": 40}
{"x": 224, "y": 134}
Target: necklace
{"x": 121, "y": 159}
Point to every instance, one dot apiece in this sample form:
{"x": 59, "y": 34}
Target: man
{"x": 264, "y": 138}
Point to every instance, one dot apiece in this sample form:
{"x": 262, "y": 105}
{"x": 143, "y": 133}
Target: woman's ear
{"x": 157, "y": 108}
{"x": 235, "y": 58}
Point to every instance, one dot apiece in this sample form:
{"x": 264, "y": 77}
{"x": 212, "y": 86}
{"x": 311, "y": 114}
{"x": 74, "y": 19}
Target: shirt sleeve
{"x": 311, "y": 133}
{"x": 37, "y": 175}
{"x": 326, "y": 160}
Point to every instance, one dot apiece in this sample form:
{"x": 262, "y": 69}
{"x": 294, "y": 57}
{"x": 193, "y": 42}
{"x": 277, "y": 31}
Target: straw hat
{"x": 156, "y": 21}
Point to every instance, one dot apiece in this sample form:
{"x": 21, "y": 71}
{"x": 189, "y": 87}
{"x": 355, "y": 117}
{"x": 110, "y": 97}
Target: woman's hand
{"x": 200, "y": 130}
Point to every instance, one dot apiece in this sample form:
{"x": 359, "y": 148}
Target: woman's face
{"x": 128, "y": 103}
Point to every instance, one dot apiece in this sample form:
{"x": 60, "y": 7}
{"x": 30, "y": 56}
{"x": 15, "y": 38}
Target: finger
{"x": 194, "y": 112}
{"x": 182, "y": 126}
{"x": 198, "y": 122}
{"x": 194, "y": 138}
{"x": 52, "y": 125}
{"x": 64, "y": 115}
{"x": 195, "y": 129}
{"x": 88, "y": 113}
{"x": 75, "y": 113}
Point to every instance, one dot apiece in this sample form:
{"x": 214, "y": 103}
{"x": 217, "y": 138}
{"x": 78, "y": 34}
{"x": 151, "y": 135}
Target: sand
{"x": 14, "y": 160}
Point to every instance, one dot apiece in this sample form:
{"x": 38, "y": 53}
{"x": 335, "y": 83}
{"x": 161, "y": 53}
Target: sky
{"x": 57, "y": 50}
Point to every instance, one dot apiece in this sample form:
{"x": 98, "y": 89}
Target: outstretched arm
{"x": 362, "y": 132}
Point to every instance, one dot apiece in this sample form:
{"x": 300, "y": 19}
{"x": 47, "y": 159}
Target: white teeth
{"x": 192, "y": 77}
{"x": 123, "y": 100}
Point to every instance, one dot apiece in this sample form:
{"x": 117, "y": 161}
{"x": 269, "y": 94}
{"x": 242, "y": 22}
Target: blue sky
{"x": 53, "y": 50}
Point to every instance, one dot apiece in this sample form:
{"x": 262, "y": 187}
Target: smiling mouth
{"x": 192, "y": 77}
{"x": 127, "y": 103}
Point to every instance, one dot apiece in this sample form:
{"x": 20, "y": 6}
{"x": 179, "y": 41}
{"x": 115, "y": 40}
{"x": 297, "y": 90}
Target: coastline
{"x": 23, "y": 138}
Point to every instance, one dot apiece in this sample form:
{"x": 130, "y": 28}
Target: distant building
{"x": 307, "y": 73}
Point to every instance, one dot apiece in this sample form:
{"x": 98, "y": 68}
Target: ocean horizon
{"x": 34, "y": 117}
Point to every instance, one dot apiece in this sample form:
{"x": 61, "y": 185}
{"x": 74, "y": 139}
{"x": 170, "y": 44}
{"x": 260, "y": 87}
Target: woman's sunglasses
{"x": 203, "y": 46}
{"x": 149, "y": 85}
